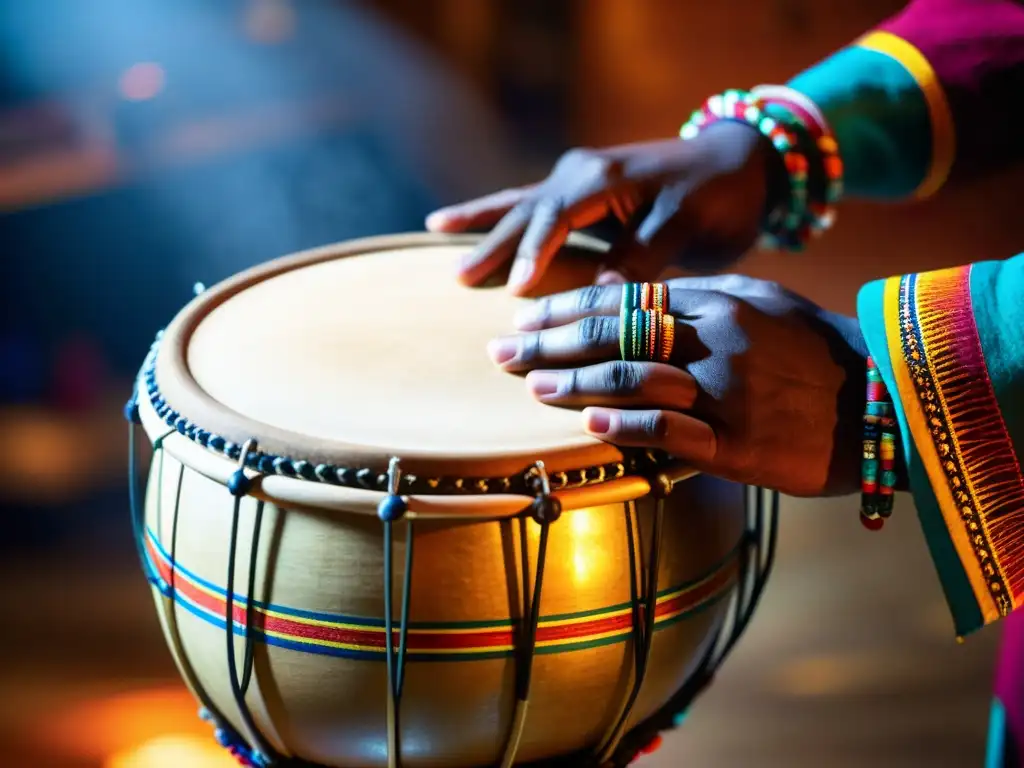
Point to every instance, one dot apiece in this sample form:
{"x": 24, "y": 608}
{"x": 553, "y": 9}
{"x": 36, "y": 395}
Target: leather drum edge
{"x": 181, "y": 391}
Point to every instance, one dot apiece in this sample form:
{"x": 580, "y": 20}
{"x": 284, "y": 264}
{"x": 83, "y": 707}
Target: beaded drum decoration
{"x": 370, "y": 547}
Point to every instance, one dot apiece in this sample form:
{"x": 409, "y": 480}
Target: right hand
{"x": 763, "y": 387}
{"x": 697, "y": 203}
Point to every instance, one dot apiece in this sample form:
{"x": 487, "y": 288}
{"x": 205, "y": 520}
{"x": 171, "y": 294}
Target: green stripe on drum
{"x": 364, "y": 638}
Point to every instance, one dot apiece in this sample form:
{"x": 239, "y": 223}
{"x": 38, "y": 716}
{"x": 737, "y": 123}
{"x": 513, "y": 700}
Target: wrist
{"x": 739, "y": 145}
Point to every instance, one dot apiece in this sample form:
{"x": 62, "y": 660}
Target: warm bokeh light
{"x": 173, "y": 752}
{"x": 142, "y": 81}
{"x": 143, "y": 729}
{"x": 43, "y": 453}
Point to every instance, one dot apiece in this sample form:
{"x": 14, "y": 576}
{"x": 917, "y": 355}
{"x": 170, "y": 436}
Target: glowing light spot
{"x": 142, "y": 81}
{"x": 586, "y": 551}
{"x": 173, "y": 752}
{"x": 581, "y": 523}
{"x": 581, "y": 565}
{"x": 138, "y": 724}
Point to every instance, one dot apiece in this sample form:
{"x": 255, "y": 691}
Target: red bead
{"x": 872, "y": 524}
{"x": 652, "y": 746}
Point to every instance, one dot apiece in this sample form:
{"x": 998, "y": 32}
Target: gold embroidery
{"x": 939, "y": 428}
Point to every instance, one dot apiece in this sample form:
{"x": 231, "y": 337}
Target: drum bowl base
{"x": 318, "y": 687}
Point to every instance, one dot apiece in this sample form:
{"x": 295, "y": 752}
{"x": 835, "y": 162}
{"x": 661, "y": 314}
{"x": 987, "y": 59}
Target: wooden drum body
{"x": 296, "y": 541}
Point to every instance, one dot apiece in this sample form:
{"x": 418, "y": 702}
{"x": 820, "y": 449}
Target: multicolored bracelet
{"x": 878, "y": 464}
{"x": 784, "y": 224}
{"x": 802, "y": 109}
{"x": 800, "y": 134}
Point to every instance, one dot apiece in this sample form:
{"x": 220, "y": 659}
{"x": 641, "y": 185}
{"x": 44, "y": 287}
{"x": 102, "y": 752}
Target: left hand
{"x": 764, "y": 387}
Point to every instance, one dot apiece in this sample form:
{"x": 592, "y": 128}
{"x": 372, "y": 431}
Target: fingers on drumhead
{"x": 587, "y": 340}
{"x": 545, "y": 234}
{"x": 570, "y": 306}
{"x": 616, "y": 383}
{"x": 496, "y": 248}
{"x": 682, "y": 436}
{"x": 481, "y": 213}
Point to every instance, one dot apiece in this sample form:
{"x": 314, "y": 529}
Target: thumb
{"x": 647, "y": 248}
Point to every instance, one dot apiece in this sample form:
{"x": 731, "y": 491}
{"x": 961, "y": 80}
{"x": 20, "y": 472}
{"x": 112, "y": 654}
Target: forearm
{"x": 950, "y": 346}
{"x": 936, "y": 92}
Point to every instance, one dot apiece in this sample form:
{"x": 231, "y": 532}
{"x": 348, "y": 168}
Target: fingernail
{"x": 437, "y": 220}
{"x": 543, "y": 384}
{"x": 522, "y": 271}
{"x": 502, "y": 350}
{"x": 597, "y": 422}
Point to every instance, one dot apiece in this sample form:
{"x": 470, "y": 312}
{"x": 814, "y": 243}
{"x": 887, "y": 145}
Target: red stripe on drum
{"x": 365, "y": 638}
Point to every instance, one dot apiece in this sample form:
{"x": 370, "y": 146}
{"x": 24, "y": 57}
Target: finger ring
{"x": 668, "y": 337}
{"x": 646, "y": 331}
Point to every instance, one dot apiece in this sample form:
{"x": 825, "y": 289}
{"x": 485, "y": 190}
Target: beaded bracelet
{"x": 878, "y": 465}
{"x": 800, "y": 133}
{"x": 786, "y": 226}
{"x": 806, "y": 112}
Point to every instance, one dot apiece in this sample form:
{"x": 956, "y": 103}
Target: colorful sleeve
{"x": 933, "y": 93}
{"x": 950, "y": 346}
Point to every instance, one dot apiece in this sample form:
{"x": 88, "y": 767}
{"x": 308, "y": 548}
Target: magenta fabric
{"x": 976, "y": 48}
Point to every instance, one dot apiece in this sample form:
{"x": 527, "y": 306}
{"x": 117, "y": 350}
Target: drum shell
{"x": 319, "y": 684}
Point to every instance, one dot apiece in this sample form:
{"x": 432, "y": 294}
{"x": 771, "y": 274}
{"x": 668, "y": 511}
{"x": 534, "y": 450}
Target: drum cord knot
{"x": 131, "y": 408}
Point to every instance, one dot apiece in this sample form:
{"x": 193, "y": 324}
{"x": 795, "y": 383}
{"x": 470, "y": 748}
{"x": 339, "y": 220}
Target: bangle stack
{"x": 878, "y": 465}
{"x": 646, "y": 329}
{"x": 807, "y": 114}
{"x": 801, "y": 136}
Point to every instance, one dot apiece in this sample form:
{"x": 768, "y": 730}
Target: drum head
{"x": 349, "y": 355}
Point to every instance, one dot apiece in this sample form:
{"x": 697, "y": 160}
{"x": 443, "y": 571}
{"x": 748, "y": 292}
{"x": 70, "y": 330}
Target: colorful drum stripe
{"x": 363, "y": 638}
{"x": 958, "y": 429}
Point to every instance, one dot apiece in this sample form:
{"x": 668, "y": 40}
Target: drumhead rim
{"x": 184, "y": 406}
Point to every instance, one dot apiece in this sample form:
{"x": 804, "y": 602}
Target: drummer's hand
{"x": 764, "y": 387}
{"x": 699, "y": 203}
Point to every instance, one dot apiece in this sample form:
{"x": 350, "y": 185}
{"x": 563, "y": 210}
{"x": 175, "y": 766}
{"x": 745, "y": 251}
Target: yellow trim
{"x": 939, "y": 112}
{"x": 939, "y": 282}
{"x": 929, "y": 457}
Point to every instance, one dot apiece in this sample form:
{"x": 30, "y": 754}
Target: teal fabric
{"x": 996, "y": 746}
{"x": 880, "y": 119}
{"x": 997, "y": 295}
{"x": 966, "y": 613}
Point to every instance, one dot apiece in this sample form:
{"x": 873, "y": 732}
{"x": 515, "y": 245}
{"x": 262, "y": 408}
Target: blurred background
{"x": 146, "y": 145}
